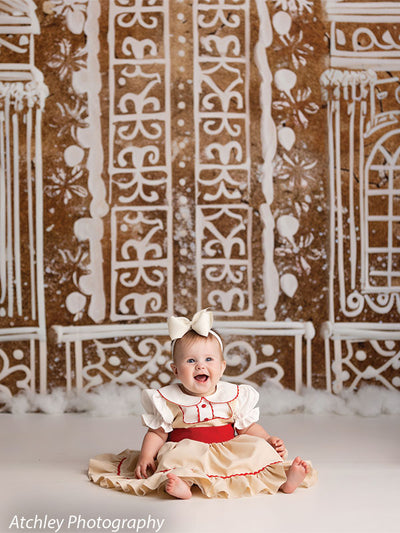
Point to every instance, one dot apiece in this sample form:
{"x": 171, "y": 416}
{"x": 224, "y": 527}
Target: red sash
{"x": 208, "y": 435}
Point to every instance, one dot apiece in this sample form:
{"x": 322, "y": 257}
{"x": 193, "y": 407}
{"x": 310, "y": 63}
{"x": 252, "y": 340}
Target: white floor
{"x": 43, "y": 460}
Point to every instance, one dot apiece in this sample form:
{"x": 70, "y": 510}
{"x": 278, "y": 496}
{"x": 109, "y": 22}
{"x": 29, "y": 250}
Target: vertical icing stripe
{"x": 39, "y": 223}
{"x": 353, "y": 242}
{"x": 17, "y": 214}
{"x": 31, "y": 223}
{"x": 268, "y": 143}
{"x": 9, "y": 246}
{"x": 32, "y": 347}
{"x": 3, "y": 211}
{"x": 168, "y": 60}
{"x": 196, "y": 105}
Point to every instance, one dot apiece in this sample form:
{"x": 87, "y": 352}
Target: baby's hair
{"x": 190, "y": 338}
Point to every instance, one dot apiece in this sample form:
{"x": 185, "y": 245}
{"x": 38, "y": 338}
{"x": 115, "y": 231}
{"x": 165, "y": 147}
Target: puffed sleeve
{"x": 158, "y": 414}
{"x": 246, "y": 412}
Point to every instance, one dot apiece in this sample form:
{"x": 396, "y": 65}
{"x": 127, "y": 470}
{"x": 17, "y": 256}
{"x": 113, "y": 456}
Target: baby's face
{"x": 199, "y": 366}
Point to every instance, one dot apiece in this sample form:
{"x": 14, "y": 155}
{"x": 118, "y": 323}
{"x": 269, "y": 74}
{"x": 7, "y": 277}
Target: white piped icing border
{"x": 268, "y": 142}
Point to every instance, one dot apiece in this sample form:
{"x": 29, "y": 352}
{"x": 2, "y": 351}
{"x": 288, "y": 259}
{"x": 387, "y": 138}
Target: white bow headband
{"x": 201, "y": 323}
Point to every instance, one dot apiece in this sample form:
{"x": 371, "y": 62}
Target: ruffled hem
{"x": 260, "y": 471}
{"x": 266, "y": 481}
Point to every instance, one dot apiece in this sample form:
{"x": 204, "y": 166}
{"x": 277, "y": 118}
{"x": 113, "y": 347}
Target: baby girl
{"x": 202, "y": 431}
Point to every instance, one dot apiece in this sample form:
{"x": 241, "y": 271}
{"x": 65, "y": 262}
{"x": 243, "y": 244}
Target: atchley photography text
{"x": 78, "y": 522}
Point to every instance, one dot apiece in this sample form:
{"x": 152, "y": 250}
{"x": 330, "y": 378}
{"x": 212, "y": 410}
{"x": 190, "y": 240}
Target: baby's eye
{"x": 209, "y": 358}
{"x": 191, "y": 360}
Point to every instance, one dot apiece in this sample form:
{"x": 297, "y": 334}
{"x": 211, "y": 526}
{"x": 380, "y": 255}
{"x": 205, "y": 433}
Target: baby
{"x": 191, "y": 431}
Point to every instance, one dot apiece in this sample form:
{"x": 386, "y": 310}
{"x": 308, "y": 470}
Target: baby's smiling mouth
{"x": 201, "y": 377}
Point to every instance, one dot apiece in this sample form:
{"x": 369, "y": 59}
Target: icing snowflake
{"x": 301, "y": 252}
{"x": 296, "y": 171}
{"x": 66, "y": 60}
{"x": 297, "y": 49}
{"x": 296, "y": 175}
{"x": 74, "y": 265}
{"x": 299, "y": 105}
{"x": 65, "y": 186}
{"x": 72, "y": 117}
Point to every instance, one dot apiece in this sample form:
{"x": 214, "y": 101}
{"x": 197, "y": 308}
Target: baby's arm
{"x": 152, "y": 443}
{"x": 258, "y": 431}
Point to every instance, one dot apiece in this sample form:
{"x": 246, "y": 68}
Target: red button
{"x": 204, "y": 405}
{"x": 206, "y": 419}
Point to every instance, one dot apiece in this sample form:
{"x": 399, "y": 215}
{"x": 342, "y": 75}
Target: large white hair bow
{"x": 201, "y": 323}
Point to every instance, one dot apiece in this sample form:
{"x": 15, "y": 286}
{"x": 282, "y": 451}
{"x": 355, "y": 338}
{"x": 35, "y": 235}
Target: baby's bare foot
{"x": 177, "y": 487}
{"x": 296, "y": 473}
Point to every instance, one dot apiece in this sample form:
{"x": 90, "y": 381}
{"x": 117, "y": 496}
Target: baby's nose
{"x": 199, "y": 364}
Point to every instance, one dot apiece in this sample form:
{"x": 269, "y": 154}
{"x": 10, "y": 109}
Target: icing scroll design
{"x": 145, "y": 359}
{"x": 364, "y": 37}
{"x": 139, "y": 258}
{"x": 140, "y": 161}
{"x": 222, "y": 157}
{"x": 359, "y": 35}
{"x": 21, "y": 372}
{"x": 224, "y": 255}
{"x": 242, "y": 363}
{"x": 376, "y": 42}
{"x": 354, "y": 368}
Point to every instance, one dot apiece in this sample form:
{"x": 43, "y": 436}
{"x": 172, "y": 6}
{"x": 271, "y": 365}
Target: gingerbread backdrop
{"x": 159, "y": 157}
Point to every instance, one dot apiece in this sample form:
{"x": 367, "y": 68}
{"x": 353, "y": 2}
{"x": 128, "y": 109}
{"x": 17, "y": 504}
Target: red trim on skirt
{"x": 209, "y": 435}
{"x": 119, "y": 466}
{"x": 232, "y": 475}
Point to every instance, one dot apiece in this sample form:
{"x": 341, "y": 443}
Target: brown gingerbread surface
{"x": 162, "y": 157}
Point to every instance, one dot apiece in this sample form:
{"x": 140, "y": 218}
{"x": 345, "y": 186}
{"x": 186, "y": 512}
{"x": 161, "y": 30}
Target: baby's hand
{"x": 278, "y": 445}
{"x": 143, "y": 465}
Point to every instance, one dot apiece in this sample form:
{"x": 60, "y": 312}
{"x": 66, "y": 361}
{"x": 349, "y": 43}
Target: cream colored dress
{"x": 242, "y": 466}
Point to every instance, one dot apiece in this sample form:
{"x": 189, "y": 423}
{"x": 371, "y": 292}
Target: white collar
{"x": 226, "y": 392}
